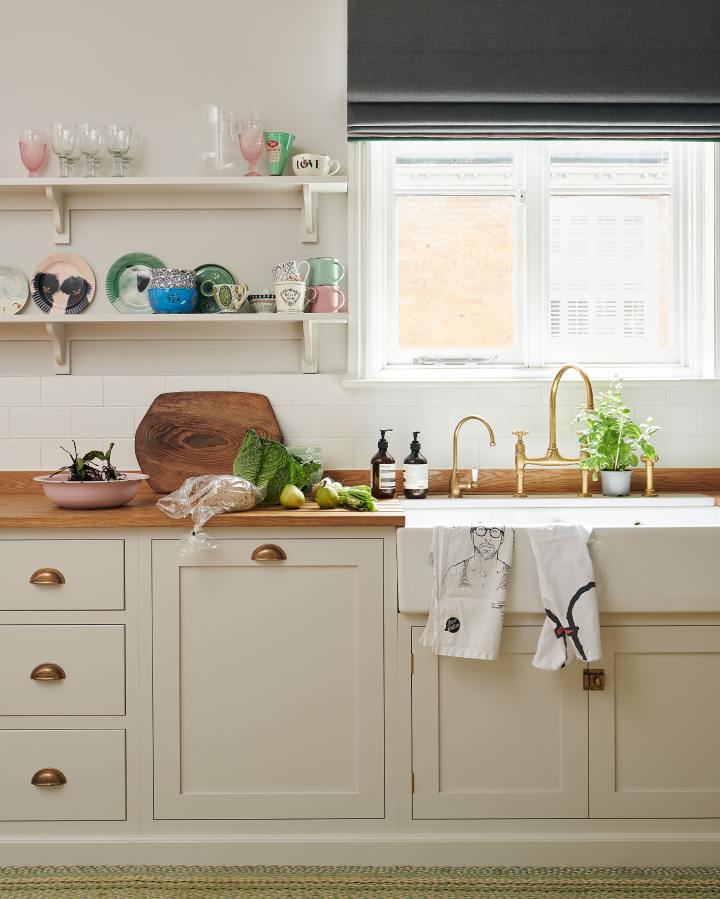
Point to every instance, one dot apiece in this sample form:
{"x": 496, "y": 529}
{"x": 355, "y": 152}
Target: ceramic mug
{"x": 329, "y": 299}
{"x": 325, "y": 270}
{"x": 230, "y": 297}
{"x": 278, "y": 145}
{"x": 293, "y": 296}
{"x": 290, "y": 271}
{"x": 314, "y": 164}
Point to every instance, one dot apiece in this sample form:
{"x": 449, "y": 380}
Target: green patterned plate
{"x": 205, "y": 277}
{"x": 128, "y": 280}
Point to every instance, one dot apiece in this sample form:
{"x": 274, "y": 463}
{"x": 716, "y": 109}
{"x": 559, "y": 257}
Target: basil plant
{"x": 609, "y": 437}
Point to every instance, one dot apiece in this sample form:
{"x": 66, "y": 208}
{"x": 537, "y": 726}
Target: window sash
{"x": 373, "y": 196}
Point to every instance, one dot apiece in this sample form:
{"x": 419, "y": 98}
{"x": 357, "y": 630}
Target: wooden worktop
{"x": 33, "y": 510}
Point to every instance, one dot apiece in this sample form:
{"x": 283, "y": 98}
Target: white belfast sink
{"x": 659, "y": 554}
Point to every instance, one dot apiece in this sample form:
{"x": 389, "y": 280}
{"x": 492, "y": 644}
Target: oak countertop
{"x": 33, "y": 510}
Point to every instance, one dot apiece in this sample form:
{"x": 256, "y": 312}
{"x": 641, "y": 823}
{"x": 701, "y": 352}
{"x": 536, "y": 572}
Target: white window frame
{"x": 694, "y": 286}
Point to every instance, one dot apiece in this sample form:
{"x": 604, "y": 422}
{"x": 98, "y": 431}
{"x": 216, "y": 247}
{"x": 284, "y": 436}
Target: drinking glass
{"x": 132, "y": 152}
{"x": 252, "y": 141}
{"x": 33, "y": 150}
{"x": 64, "y": 140}
{"x": 92, "y": 143}
{"x": 118, "y": 144}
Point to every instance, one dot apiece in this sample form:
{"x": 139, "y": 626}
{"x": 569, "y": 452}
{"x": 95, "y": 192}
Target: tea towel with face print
{"x": 571, "y": 629}
{"x": 470, "y": 574}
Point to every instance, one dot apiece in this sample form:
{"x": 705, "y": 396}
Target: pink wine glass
{"x": 33, "y": 150}
{"x": 252, "y": 143}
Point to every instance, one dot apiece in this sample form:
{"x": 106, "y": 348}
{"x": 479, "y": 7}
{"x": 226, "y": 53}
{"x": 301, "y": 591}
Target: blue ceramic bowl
{"x": 172, "y": 299}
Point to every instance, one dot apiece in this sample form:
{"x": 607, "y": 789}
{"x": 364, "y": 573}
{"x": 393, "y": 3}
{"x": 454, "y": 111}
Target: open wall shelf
{"x": 60, "y": 330}
{"x": 60, "y": 196}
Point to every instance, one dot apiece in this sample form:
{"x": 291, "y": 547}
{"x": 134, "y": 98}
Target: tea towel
{"x": 571, "y": 629}
{"x": 471, "y": 566}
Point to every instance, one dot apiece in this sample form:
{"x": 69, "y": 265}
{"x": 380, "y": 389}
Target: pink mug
{"x": 329, "y": 299}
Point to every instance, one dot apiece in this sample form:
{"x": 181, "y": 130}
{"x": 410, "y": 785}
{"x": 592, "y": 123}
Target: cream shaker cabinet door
{"x": 655, "y": 728}
{"x": 497, "y": 739}
{"x": 268, "y": 680}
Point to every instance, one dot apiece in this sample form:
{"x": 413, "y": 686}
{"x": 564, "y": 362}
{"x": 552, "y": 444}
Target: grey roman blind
{"x": 534, "y": 68}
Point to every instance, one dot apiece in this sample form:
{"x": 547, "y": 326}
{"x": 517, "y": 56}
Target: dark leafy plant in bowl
{"x": 610, "y": 437}
{"x": 84, "y": 468}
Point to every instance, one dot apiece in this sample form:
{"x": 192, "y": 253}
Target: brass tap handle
{"x": 47, "y": 671}
{"x": 48, "y": 777}
{"x": 50, "y": 577}
{"x": 521, "y": 434}
{"x": 649, "y": 475}
{"x": 268, "y": 552}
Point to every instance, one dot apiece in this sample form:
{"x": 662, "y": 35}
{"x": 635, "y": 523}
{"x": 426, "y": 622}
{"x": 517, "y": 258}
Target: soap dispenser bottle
{"x": 382, "y": 470}
{"x": 415, "y": 474}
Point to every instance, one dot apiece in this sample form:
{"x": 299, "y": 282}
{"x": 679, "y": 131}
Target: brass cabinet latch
{"x": 594, "y": 679}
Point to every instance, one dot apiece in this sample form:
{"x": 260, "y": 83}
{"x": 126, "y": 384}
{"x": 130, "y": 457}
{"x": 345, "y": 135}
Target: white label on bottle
{"x": 416, "y": 477}
{"x": 386, "y": 476}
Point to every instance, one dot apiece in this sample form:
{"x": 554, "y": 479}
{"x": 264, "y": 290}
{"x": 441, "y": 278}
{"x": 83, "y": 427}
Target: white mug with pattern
{"x": 293, "y": 296}
{"x": 290, "y": 271}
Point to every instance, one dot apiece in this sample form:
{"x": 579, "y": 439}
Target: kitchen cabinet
{"x": 655, "y": 728}
{"x": 497, "y": 739}
{"x": 268, "y": 679}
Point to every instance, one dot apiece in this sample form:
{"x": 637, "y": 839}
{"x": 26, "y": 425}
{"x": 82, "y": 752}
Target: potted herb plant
{"x": 612, "y": 442}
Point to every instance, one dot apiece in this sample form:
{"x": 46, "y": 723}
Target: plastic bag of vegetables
{"x": 329, "y": 494}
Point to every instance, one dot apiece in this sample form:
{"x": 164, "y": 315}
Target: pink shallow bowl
{"x": 90, "y": 494}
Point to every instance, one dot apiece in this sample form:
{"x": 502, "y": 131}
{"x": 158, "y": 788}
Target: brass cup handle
{"x": 50, "y": 577}
{"x": 48, "y": 777}
{"x": 47, "y": 671}
{"x": 268, "y": 552}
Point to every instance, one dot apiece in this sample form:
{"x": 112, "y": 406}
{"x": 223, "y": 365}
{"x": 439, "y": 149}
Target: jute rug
{"x": 349, "y": 882}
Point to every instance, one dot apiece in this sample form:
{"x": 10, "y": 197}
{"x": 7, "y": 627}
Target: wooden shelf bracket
{"x": 308, "y": 215}
{"x": 60, "y": 347}
{"x": 60, "y": 214}
{"x": 309, "y": 348}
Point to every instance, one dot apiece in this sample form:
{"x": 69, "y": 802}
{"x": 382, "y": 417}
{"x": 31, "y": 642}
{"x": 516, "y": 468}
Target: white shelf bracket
{"x": 60, "y": 347}
{"x": 309, "y": 348}
{"x": 308, "y": 215}
{"x": 60, "y": 214}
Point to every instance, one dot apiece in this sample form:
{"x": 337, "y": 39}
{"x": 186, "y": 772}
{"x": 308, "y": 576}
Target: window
{"x": 483, "y": 255}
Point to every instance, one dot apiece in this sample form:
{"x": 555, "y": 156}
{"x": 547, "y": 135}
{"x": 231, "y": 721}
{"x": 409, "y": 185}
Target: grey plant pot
{"x": 615, "y": 483}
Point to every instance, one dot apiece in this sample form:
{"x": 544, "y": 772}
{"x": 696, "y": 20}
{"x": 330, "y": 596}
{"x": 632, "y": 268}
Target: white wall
{"x": 155, "y": 64}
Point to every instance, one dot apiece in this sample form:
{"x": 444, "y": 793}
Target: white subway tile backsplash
{"x": 4, "y": 422}
{"x": 277, "y": 388}
{"x": 132, "y": 390}
{"x": 692, "y": 452}
{"x": 693, "y": 392}
{"x": 709, "y": 421}
{"x": 19, "y": 391}
{"x": 329, "y": 421}
{"x": 176, "y": 383}
{"x": 675, "y": 421}
{"x": 103, "y": 420}
{"x": 20, "y": 455}
{"x": 40, "y": 422}
{"x": 319, "y": 390}
{"x": 71, "y": 390}
{"x": 123, "y": 452}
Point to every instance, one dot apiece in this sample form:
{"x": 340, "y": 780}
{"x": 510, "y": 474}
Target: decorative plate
{"x": 63, "y": 284}
{"x": 128, "y": 280}
{"x": 205, "y": 276}
{"x": 14, "y": 290}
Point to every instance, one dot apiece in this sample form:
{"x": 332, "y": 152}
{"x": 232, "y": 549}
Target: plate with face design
{"x": 14, "y": 290}
{"x": 63, "y": 284}
{"x": 128, "y": 280}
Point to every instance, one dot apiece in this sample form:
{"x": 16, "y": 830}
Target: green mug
{"x": 278, "y": 145}
{"x": 325, "y": 270}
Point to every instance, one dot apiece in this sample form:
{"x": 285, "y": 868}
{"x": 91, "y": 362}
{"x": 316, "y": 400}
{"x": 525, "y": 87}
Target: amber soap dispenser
{"x": 382, "y": 470}
{"x": 415, "y": 472}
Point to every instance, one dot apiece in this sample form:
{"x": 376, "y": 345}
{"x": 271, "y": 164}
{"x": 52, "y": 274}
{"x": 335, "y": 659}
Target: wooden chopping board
{"x": 186, "y": 434}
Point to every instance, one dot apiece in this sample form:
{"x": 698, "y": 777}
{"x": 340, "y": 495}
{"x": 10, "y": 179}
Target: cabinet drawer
{"x": 78, "y": 669}
{"x": 91, "y": 762}
{"x": 62, "y": 574}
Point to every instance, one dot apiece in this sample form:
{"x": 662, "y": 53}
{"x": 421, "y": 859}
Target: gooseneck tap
{"x": 553, "y": 457}
{"x": 456, "y": 485}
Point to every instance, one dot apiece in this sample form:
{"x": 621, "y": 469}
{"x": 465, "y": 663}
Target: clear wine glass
{"x": 118, "y": 144}
{"x": 252, "y": 141}
{"x": 33, "y": 150}
{"x": 132, "y": 152}
{"x": 92, "y": 143}
{"x": 64, "y": 141}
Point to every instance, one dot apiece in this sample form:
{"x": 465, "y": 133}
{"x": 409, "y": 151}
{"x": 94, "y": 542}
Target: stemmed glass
{"x": 118, "y": 144}
{"x": 64, "y": 140}
{"x": 252, "y": 141}
{"x": 33, "y": 150}
{"x": 92, "y": 143}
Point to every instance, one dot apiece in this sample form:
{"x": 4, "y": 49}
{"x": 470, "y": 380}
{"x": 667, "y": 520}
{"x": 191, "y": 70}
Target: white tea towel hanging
{"x": 470, "y": 575}
{"x": 569, "y": 596}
